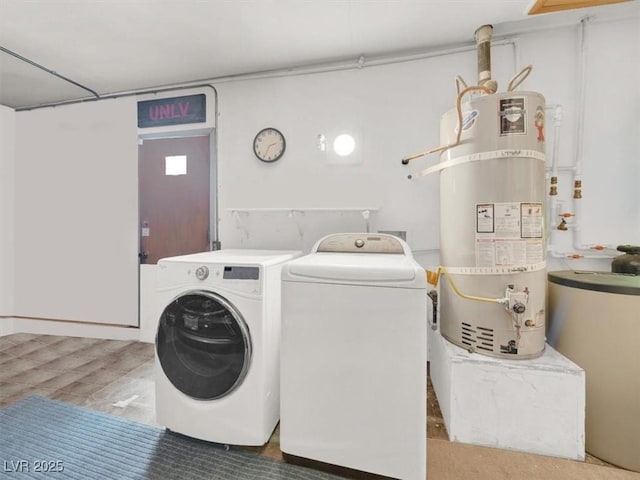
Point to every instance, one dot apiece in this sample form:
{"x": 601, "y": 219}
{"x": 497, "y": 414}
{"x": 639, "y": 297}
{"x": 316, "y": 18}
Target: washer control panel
{"x": 360, "y": 243}
{"x": 239, "y": 279}
{"x": 202, "y": 273}
{"x": 227, "y": 272}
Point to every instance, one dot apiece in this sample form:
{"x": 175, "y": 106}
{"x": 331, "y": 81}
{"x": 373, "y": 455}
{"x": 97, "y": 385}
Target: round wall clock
{"x": 269, "y": 144}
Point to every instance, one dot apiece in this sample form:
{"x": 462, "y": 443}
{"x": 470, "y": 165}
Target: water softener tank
{"x": 594, "y": 321}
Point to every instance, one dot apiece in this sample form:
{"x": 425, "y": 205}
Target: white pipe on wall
{"x": 351, "y": 64}
{"x": 362, "y": 62}
{"x": 581, "y": 95}
{"x": 580, "y": 249}
{"x": 552, "y": 211}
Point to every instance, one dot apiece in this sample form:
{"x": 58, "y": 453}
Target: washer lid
{"x": 357, "y": 268}
{"x": 598, "y": 281}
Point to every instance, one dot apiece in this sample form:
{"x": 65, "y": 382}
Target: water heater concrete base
{"x": 535, "y": 406}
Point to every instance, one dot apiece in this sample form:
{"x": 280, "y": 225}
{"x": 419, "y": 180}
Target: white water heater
{"x": 492, "y": 209}
{"x": 492, "y": 241}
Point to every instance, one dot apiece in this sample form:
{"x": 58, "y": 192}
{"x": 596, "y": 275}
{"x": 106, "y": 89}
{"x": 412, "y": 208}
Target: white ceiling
{"x": 122, "y": 45}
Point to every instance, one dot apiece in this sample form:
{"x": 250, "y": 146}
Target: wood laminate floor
{"x": 98, "y": 374}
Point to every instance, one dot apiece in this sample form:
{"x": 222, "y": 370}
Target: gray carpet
{"x": 69, "y": 442}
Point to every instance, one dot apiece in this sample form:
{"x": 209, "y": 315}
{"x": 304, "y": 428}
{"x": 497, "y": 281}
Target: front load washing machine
{"x": 217, "y": 344}
{"x": 354, "y": 356}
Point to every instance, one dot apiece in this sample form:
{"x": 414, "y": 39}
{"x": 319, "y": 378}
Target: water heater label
{"x": 468, "y": 121}
{"x": 509, "y": 234}
{"x": 512, "y": 116}
{"x": 507, "y": 220}
{"x": 531, "y": 220}
{"x": 484, "y": 218}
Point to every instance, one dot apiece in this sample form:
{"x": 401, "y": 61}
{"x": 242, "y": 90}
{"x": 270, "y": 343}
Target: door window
{"x": 174, "y": 197}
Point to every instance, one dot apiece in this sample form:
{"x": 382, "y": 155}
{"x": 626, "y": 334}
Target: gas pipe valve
{"x": 517, "y": 300}
{"x": 518, "y": 308}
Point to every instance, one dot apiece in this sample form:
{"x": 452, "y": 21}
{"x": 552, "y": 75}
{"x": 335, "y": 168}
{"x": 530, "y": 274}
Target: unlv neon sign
{"x": 172, "y": 111}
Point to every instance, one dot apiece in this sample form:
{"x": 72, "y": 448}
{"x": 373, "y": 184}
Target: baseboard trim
{"x": 10, "y": 325}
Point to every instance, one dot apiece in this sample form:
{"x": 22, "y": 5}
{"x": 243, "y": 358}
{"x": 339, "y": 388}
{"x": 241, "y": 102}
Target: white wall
{"x": 76, "y": 180}
{"x": 392, "y": 110}
{"x": 7, "y": 166}
{"x": 612, "y": 132}
{"x": 76, "y": 213}
{"x": 396, "y": 110}
{"x": 611, "y": 142}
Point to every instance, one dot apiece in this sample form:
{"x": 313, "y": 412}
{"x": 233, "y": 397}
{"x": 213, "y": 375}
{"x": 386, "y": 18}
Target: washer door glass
{"x": 203, "y": 345}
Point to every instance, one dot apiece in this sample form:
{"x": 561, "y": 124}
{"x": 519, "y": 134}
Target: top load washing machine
{"x": 217, "y": 344}
{"x": 354, "y": 356}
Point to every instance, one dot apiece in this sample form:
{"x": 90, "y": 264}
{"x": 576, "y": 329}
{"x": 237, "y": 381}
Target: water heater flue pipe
{"x": 483, "y": 45}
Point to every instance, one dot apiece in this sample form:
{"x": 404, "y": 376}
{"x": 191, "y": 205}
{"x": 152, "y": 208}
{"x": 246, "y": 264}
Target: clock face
{"x": 269, "y": 145}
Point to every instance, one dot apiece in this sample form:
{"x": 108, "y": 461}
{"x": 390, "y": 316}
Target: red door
{"x": 173, "y": 175}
